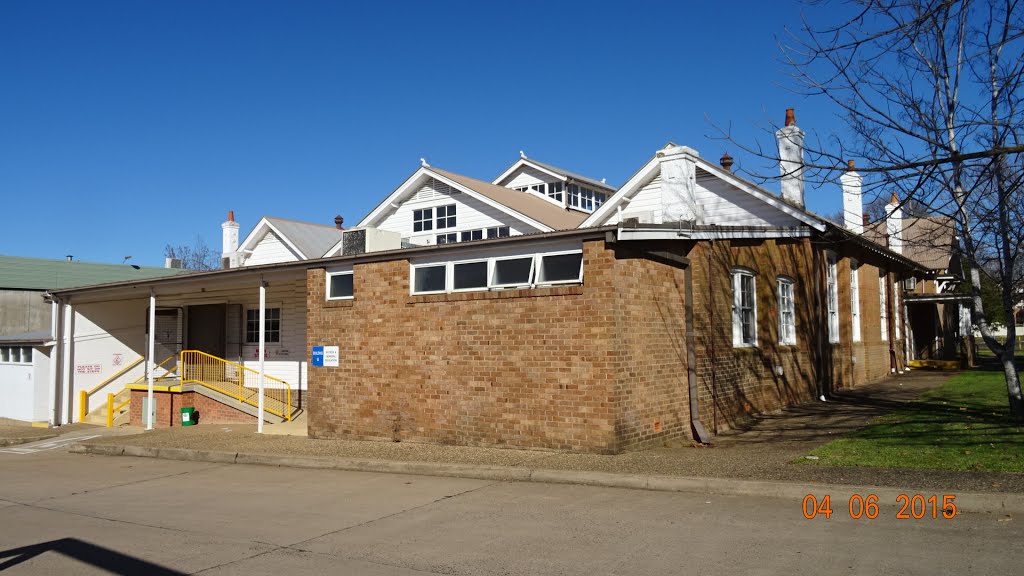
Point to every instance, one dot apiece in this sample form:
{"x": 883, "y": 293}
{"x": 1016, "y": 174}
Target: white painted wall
{"x": 722, "y": 204}
{"x": 269, "y": 250}
{"x": 17, "y": 389}
{"x": 526, "y": 176}
{"x": 41, "y": 382}
{"x": 471, "y": 214}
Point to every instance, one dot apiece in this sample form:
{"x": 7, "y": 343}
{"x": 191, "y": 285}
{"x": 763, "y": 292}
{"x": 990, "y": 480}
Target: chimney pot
{"x": 867, "y": 219}
{"x": 726, "y": 162}
{"x": 851, "y": 165}
{"x": 790, "y": 117}
{"x": 338, "y": 221}
{"x": 895, "y": 199}
{"x": 231, "y": 215}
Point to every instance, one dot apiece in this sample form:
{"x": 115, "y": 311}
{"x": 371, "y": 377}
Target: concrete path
{"x": 69, "y": 514}
{"x": 765, "y": 452}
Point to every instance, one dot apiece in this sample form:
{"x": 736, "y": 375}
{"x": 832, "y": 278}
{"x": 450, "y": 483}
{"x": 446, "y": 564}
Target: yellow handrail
{"x": 229, "y": 378}
{"x": 160, "y": 365}
{"x": 83, "y": 395}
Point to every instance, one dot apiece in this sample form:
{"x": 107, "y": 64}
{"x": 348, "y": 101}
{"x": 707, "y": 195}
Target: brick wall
{"x": 169, "y": 405}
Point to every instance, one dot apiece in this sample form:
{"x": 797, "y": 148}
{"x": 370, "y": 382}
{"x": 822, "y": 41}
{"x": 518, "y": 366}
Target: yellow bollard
{"x": 83, "y": 405}
{"x": 110, "y": 410}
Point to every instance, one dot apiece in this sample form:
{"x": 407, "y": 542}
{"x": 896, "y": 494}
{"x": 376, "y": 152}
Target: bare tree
{"x": 197, "y": 256}
{"x": 930, "y": 92}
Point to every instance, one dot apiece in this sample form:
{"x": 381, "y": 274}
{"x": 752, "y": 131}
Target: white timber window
{"x": 340, "y": 285}
{"x": 252, "y": 325}
{"x": 423, "y": 220}
{"x": 555, "y": 191}
{"x": 744, "y": 308}
{"x": 499, "y": 232}
{"x": 496, "y": 273}
{"x": 470, "y": 235}
{"x": 585, "y": 198}
{"x": 449, "y": 238}
{"x": 446, "y": 216}
{"x": 883, "y": 309}
{"x": 855, "y": 300}
{"x": 896, "y": 311}
{"x": 832, "y": 298}
{"x": 787, "y": 312}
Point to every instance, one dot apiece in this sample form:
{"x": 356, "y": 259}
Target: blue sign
{"x": 318, "y": 355}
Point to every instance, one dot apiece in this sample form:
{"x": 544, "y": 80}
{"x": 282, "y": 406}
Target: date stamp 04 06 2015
{"x": 911, "y": 507}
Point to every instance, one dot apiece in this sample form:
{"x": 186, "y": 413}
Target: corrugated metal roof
{"x": 314, "y": 240}
{"x": 18, "y": 273}
{"x": 541, "y": 210}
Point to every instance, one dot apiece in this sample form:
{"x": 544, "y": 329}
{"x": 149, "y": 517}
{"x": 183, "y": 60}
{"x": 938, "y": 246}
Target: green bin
{"x": 188, "y": 416}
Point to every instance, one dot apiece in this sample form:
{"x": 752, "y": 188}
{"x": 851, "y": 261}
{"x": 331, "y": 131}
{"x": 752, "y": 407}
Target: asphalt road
{"x": 75, "y": 514}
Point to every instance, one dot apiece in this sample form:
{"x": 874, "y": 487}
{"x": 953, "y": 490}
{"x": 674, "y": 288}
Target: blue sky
{"x": 125, "y": 126}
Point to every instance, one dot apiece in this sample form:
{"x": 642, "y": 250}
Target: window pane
{"x": 470, "y": 275}
{"x": 26, "y": 355}
{"x": 516, "y": 271}
{"x": 429, "y": 279}
{"x": 341, "y": 286}
{"x": 5, "y": 354}
{"x": 560, "y": 268}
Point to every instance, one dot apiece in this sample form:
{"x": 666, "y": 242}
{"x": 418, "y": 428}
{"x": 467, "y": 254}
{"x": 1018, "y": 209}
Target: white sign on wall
{"x": 331, "y": 356}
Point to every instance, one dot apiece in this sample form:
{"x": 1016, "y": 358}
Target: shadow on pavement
{"x": 106, "y": 559}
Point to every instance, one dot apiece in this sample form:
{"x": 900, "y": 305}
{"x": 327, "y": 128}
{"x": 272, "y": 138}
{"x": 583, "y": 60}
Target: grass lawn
{"x": 962, "y": 425}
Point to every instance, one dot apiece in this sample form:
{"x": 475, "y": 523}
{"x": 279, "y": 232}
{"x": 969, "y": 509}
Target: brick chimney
{"x": 853, "y": 199}
{"x": 791, "y": 159}
{"x": 229, "y": 242}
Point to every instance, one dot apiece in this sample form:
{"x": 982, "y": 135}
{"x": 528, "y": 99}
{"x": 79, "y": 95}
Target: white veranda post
{"x": 149, "y": 412}
{"x": 263, "y": 350}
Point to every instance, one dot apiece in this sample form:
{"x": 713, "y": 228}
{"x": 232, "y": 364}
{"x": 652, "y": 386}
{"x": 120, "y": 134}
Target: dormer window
{"x": 555, "y": 191}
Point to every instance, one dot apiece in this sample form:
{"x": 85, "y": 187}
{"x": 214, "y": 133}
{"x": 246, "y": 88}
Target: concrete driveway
{"x": 72, "y": 514}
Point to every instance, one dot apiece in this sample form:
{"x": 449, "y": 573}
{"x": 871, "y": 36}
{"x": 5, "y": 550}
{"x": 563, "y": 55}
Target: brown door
{"x": 206, "y": 330}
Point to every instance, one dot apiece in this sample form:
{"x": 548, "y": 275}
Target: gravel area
{"x": 769, "y": 450}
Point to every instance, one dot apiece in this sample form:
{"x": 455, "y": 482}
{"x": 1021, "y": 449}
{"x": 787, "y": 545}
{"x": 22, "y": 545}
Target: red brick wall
{"x": 169, "y": 405}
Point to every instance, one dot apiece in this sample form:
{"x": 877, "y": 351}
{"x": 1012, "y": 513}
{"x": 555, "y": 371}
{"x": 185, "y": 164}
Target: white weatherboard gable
{"x": 267, "y": 245}
{"x": 473, "y": 210}
{"x": 533, "y": 174}
{"x": 662, "y": 191}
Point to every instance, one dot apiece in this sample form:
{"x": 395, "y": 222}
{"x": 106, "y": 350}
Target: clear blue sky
{"x": 128, "y": 125}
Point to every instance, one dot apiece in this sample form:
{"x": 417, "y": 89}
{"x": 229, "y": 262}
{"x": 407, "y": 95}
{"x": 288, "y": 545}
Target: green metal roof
{"x": 17, "y": 273}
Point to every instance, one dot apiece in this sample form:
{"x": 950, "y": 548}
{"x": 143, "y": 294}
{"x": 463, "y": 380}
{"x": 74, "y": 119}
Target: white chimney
{"x": 853, "y": 201}
{"x": 678, "y": 185}
{"x": 894, "y": 224}
{"x": 229, "y": 249}
{"x": 791, "y": 159}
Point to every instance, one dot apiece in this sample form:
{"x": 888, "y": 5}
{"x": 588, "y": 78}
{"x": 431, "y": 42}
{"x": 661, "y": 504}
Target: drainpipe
{"x": 691, "y": 362}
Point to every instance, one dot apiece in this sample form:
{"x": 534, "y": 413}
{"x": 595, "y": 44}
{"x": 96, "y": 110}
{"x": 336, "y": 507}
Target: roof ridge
{"x": 332, "y": 226}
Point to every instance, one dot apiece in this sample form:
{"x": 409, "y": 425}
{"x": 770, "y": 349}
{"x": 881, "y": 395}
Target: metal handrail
{"x": 229, "y": 378}
{"x": 83, "y": 395}
{"x": 160, "y": 365}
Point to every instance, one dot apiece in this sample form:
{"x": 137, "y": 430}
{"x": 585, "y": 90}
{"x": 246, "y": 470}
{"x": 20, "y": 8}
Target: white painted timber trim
{"x": 626, "y": 192}
{"x": 684, "y": 234}
{"x": 261, "y": 229}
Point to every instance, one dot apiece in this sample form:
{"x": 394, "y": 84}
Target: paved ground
{"x": 71, "y": 514}
{"x": 766, "y": 451}
{"x": 14, "y": 432}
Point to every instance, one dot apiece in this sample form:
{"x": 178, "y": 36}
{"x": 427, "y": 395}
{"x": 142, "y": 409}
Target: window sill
{"x": 574, "y": 290}
{"x": 346, "y": 303}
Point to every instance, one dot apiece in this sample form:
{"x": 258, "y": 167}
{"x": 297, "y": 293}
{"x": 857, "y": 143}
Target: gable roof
{"x": 929, "y": 241}
{"x": 530, "y": 209}
{"x": 306, "y": 239}
{"x": 653, "y": 166}
{"x": 19, "y": 273}
{"x": 554, "y": 171}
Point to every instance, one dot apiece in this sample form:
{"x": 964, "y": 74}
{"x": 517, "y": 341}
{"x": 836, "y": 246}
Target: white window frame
{"x": 737, "y": 303}
{"x": 450, "y": 275}
{"x": 453, "y": 217}
{"x": 426, "y": 219}
{"x": 21, "y": 356}
{"x": 412, "y": 277}
{"x": 491, "y": 269}
{"x": 786, "y": 337}
{"x": 882, "y": 306}
{"x": 855, "y": 299}
{"x": 340, "y": 273}
{"x": 497, "y": 231}
{"x": 463, "y": 233}
{"x": 540, "y": 262}
{"x": 832, "y": 296}
{"x": 449, "y": 238}
{"x": 280, "y": 325}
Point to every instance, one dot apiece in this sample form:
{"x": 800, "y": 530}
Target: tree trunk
{"x": 1013, "y": 387}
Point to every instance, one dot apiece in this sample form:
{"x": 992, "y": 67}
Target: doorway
{"x": 206, "y": 328}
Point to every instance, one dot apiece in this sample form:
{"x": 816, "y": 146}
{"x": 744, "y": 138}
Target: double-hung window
{"x": 832, "y": 298}
{"x": 855, "y": 300}
{"x": 883, "y": 308}
{"x": 252, "y": 325}
{"x": 744, "y": 308}
{"x": 423, "y": 220}
{"x": 787, "y": 313}
{"x": 446, "y": 216}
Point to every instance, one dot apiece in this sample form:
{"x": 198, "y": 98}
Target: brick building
{"x": 545, "y": 309}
